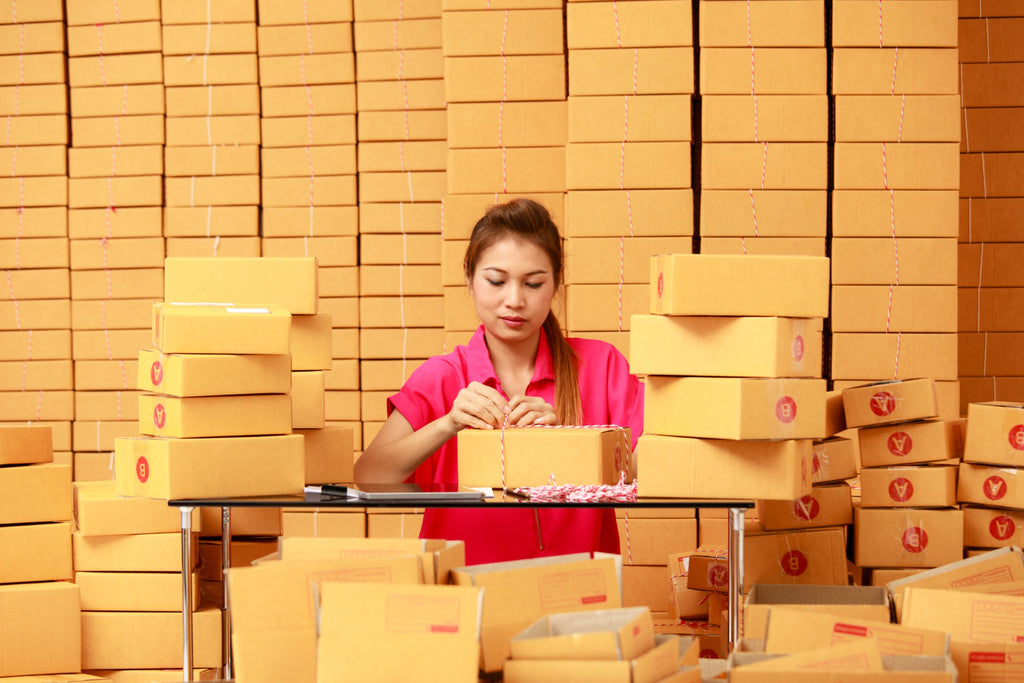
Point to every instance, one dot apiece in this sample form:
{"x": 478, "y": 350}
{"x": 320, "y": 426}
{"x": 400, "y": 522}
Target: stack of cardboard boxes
{"x": 213, "y": 129}
{"x": 41, "y": 631}
{"x": 764, "y": 124}
{"x": 402, "y": 180}
{"x": 628, "y": 157}
{"x": 35, "y": 318}
{"x": 115, "y": 191}
{"x": 896, "y": 177}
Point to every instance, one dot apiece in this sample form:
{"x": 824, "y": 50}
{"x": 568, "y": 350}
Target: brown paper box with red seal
{"x": 906, "y": 443}
{"x": 869, "y": 213}
{"x": 884, "y": 403}
{"x": 46, "y": 613}
{"x": 924, "y": 24}
{"x": 214, "y": 416}
{"x": 654, "y": 71}
{"x": 996, "y": 434}
{"x": 35, "y": 552}
{"x": 708, "y": 569}
{"x": 663, "y": 24}
{"x": 784, "y": 24}
{"x": 806, "y": 556}
{"x": 933, "y": 486}
{"x": 299, "y": 39}
{"x": 869, "y": 71}
{"x": 992, "y": 527}
{"x": 834, "y": 459}
{"x": 827, "y": 505}
{"x": 480, "y": 79}
{"x": 513, "y": 32}
{"x": 985, "y": 485}
{"x": 208, "y": 374}
{"x": 977, "y": 662}
{"x": 907, "y": 537}
{"x": 854, "y": 602}
{"x": 200, "y": 38}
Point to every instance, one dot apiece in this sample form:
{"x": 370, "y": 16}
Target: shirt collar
{"x": 481, "y": 367}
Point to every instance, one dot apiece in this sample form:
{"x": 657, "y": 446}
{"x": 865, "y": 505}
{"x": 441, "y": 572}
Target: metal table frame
{"x": 736, "y": 508}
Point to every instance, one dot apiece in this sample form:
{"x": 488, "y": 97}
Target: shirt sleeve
{"x": 428, "y": 393}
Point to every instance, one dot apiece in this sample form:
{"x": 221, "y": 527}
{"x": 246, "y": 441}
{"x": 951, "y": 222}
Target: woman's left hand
{"x": 530, "y": 410}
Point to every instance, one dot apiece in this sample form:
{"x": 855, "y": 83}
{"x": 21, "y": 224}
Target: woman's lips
{"x": 513, "y": 321}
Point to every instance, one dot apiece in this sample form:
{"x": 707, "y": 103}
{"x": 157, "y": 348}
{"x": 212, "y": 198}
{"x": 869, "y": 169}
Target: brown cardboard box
{"x": 212, "y": 190}
{"x": 205, "y": 69}
{"x": 38, "y": 69}
{"x": 858, "y": 661}
{"x": 517, "y": 593}
{"x": 643, "y": 165}
{"x": 684, "y": 284}
{"x": 350, "y": 524}
{"x": 148, "y": 552}
{"x": 408, "y": 249}
{"x": 35, "y": 493}
{"x": 673, "y": 467}
{"x": 299, "y": 131}
{"x": 101, "y": 162}
{"x": 995, "y": 435}
{"x": 392, "y": 65}
{"x": 42, "y": 628}
{"x": 45, "y": 345}
{"x": 277, "y": 12}
{"x": 797, "y": 631}
{"x": 286, "y": 281}
{"x": 30, "y": 38}
{"x": 987, "y": 485}
{"x": 419, "y": 311}
{"x": 737, "y": 347}
{"x": 775, "y": 213}
{"x": 807, "y": 556}
{"x": 660, "y": 663}
{"x": 392, "y": 95}
{"x": 869, "y": 71}
{"x": 647, "y": 541}
{"x": 200, "y": 374}
{"x": 36, "y": 375}
{"x": 31, "y": 191}
{"x": 261, "y": 522}
{"x": 514, "y": 32}
{"x": 614, "y": 634}
{"x": 207, "y": 100}
{"x": 144, "y": 221}
{"x": 148, "y": 639}
{"x": 909, "y": 486}
{"x": 883, "y": 403}
{"x": 916, "y": 118}
{"x": 126, "y": 252}
{"x": 907, "y": 443}
{"x": 522, "y": 456}
{"x": 926, "y": 24}
{"x": 238, "y": 36}
{"x": 734, "y": 408}
{"x": 310, "y": 342}
{"x": 512, "y": 124}
{"x": 402, "y": 125}
{"x": 50, "y": 405}
{"x": 619, "y": 305}
{"x": 834, "y": 459}
{"x": 47, "y": 10}
{"x": 328, "y": 68}
{"x": 45, "y": 221}
{"x": 637, "y": 118}
{"x": 986, "y": 527}
{"x": 100, "y": 512}
{"x": 217, "y": 328}
{"x": 393, "y": 525}
{"x": 333, "y": 250}
{"x": 631, "y": 25}
{"x": 907, "y": 537}
{"x": 25, "y": 444}
{"x": 394, "y": 280}
{"x": 212, "y": 158}
{"x": 778, "y": 71}
{"x": 778, "y": 118}
{"x": 144, "y": 67}
{"x": 970, "y": 617}
{"x": 42, "y": 252}
{"x": 46, "y": 129}
{"x": 414, "y": 342}
{"x": 904, "y": 166}
{"x": 411, "y": 186}
{"x": 777, "y": 23}
{"x": 855, "y": 602}
{"x": 461, "y": 212}
{"x": 977, "y": 661}
{"x": 89, "y": 12}
{"x": 641, "y": 71}
{"x": 307, "y": 397}
{"x": 609, "y": 259}
{"x": 127, "y": 100}
{"x": 298, "y": 39}
{"x": 294, "y": 100}
{"x": 35, "y": 552}
{"x": 415, "y": 155}
{"x": 707, "y": 569}
{"x": 483, "y": 79}
{"x": 826, "y": 505}
{"x": 409, "y": 33}
{"x": 415, "y": 218}
{"x": 775, "y": 166}
{"x": 134, "y": 591}
{"x": 900, "y": 354}
{"x": 310, "y": 220}
{"x": 36, "y": 314}
{"x": 114, "y": 38}
{"x": 517, "y": 169}
{"x": 913, "y": 308}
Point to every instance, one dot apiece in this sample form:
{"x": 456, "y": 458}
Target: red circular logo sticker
{"x": 883, "y": 403}
{"x": 142, "y": 469}
{"x": 159, "y": 415}
{"x": 156, "y": 373}
{"x": 785, "y": 409}
{"x": 994, "y": 487}
{"x": 1002, "y": 528}
{"x": 794, "y": 563}
{"x": 661, "y": 284}
{"x": 899, "y": 444}
{"x": 901, "y": 490}
{"x": 718, "y": 575}
{"x": 798, "y": 348}
{"x": 1016, "y": 437}
{"x": 914, "y": 539}
{"x": 806, "y": 508}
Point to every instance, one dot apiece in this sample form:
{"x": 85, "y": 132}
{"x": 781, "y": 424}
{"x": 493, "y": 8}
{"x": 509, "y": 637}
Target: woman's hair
{"x": 529, "y": 221}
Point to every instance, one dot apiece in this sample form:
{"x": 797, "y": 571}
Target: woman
{"x": 518, "y": 369}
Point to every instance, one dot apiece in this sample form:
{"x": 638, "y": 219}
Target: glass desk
{"x": 736, "y": 508}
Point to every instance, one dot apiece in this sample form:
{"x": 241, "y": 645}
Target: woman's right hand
{"x": 479, "y": 406}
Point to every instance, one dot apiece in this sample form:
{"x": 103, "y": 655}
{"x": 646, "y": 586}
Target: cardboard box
{"x": 729, "y": 24}
{"x": 126, "y": 221}
{"x": 987, "y": 485}
{"x": 45, "y": 345}
{"x": 89, "y": 12}
{"x": 139, "y": 640}
{"x": 207, "y": 100}
{"x": 773, "y": 166}
{"x": 708, "y": 569}
{"x": 909, "y": 486}
{"x": 826, "y": 505}
{"x": 212, "y": 190}
{"x": 438, "y": 625}
{"x": 609, "y": 260}
{"x": 995, "y": 435}
{"x": 220, "y": 329}
{"x": 915, "y": 118}
{"x": 43, "y": 252}
{"x": 144, "y": 67}
{"x": 641, "y": 71}
{"x": 461, "y": 212}
{"x": 414, "y": 342}
{"x": 869, "y": 71}
{"x": 483, "y": 79}
{"x": 793, "y": 286}
{"x": 50, "y": 405}
{"x": 643, "y": 165}
{"x": 666, "y": 24}
{"x": 213, "y": 157}
{"x": 201, "y": 374}
{"x": 514, "y": 32}
{"x": 244, "y": 281}
{"x": 238, "y": 36}
{"x": 834, "y": 459}
{"x": 176, "y": 468}
{"x": 660, "y": 663}
{"x": 32, "y": 191}
{"x": 392, "y": 96}
{"x": 414, "y": 218}
{"x": 986, "y": 527}
{"x": 400, "y": 65}
{"x": 853, "y": 602}
{"x": 35, "y": 552}
{"x": 47, "y": 129}
{"x": 133, "y": 591}
{"x": 511, "y": 124}
{"x": 902, "y": 354}
{"x": 907, "y": 537}
{"x": 674, "y": 467}
{"x": 42, "y": 628}
{"x": 105, "y": 192}
{"x": 412, "y": 186}
{"x": 970, "y": 617}
{"x": 734, "y": 408}
{"x": 909, "y": 442}
{"x": 25, "y": 444}
{"x": 311, "y": 69}
{"x": 307, "y": 398}
{"x": 797, "y": 631}
{"x": 517, "y": 169}
{"x": 35, "y": 493}
{"x": 518, "y": 593}
{"x": 402, "y": 125}
{"x": 621, "y": 302}
{"x": 883, "y": 403}
{"x": 46, "y": 221}
{"x": 647, "y": 541}
{"x": 296, "y": 100}
{"x": 310, "y": 220}
{"x": 232, "y": 69}
{"x": 126, "y": 252}
{"x": 127, "y": 100}
{"x": 299, "y": 131}
{"x": 394, "y": 525}
{"x": 35, "y": 37}
{"x": 308, "y": 39}
{"x": 858, "y": 661}
{"x": 807, "y": 556}
{"x": 315, "y": 160}
{"x": 778, "y": 71}
{"x": 522, "y": 456}
{"x": 614, "y": 634}
{"x": 773, "y": 213}
{"x": 905, "y": 165}
{"x": 776, "y": 118}
{"x": 101, "y": 162}
{"x": 36, "y": 375}
{"x": 351, "y": 524}
{"x": 637, "y": 118}
{"x": 146, "y": 552}
{"x": 437, "y": 557}
{"x": 114, "y": 38}
{"x": 866, "y": 308}
{"x": 926, "y": 24}
{"x": 708, "y": 345}
{"x": 278, "y": 12}
{"x": 976, "y": 661}
{"x": 99, "y": 511}
{"x": 38, "y": 69}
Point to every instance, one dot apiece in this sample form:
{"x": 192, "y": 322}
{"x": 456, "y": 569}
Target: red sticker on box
{"x": 883, "y": 403}
{"x": 899, "y": 444}
{"x": 901, "y": 489}
{"x": 994, "y": 487}
{"x": 1016, "y": 437}
{"x": 794, "y": 563}
{"x": 806, "y": 508}
{"x": 708, "y": 653}
{"x": 1002, "y": 528}
{"x": 914, "y": 539}
{"x": 661, "y": 284}
{"x": 798, "y": 348}
{"x": 785, "y": 409}
{"x": 815, "y": 463}
{"x": 718, "y": 575}
{"x": 142, "y": 469}
{"x": 156, "y": 373}
{"x": 159, "y": 415}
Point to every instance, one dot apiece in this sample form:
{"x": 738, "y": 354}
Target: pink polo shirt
{"x": 609, "y": 395}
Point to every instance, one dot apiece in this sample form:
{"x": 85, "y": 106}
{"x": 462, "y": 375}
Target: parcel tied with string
{"x": 541, "y": 455}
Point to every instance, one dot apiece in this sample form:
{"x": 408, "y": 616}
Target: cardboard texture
{"x": 294, "y": 100}
{"x": 437, "y": 557}
{"x": 908, "y": 486}
{"x": 904, "y": 166}
{"x": 512, "y": 124}
{"x": 773, "y": 166}
{"x": 133, "y": 591}
{"x": 882, "y": 403}
{"x": 310, "y": 342}
{"x": 149, "y": 552}
{"x": 734, "y": 408}
{"x": 826, "y": 505}
{"x": 224, "y": 329}
{"x": 480, "y": 79}
{"x": 786, "y": 24}
{"x": 211, "y": 156}
{"x": 175, "y": 468}
{"x": 41, "y": 631}
{"x": 747, "y": 667}
{"x": 114, "y": 38}
{"x": 660, "y": 663}
{"x": 48, "y": 221}
{"x": 778, "y": 118}
{"x": 31, "y": 192}
{"x": 38, "y": 69}
{"x": 208, "y": 100}
{"x": 907, "y": 537}
{"x": 970, "y": 617}
{"x": 642, "y": 71}
{"x": 205, "y": 69}
{"x": 515, "y": 32}
{"x": 777, "y": 71}
{"x": 673, "y": 467}
{"x": 119, "y": 253}
{"x": 708, "y": 345}
{"x": 139, "y": 640}
{"x": 598, "y": 259}
{"x": 294, "y": 131}
{"x": 903, "y": 355}
{"x": 391, "y": 65}
{"x": 33, "y": 99}
{"x": 917, "y": 118}
{"x": 798, "y": 631}
{"x": 909, "y": 443}
{"x": 402, "y": 125}
{"x": 85, "y": 162}
{"x": 99, "y": 511}
{"x": 289, "y": 282}
{"x": 35, "y": 552}
{"x": 995, "y": 435}
{"x": 128, "y": 100}
{"x": 35, "y": 493}
{"x": 518, "y": 593}
{"x": 869, "y": 71}
{"x": 517, "y": 169}
{"x": 643, "y": 165}
{"x": 596, "y": 25}
{"x": 515, "y": 457}
{"x": 792, "y": 286}
{"x": 315, "y": 220}
{"x": 145, "y": 221}
{"x": 408, "y": 33}
{"x": 212, "y": 190}
{"x": 925, "y": 24}
{"x": 855, "y": 602}
{"x": 307, "y": 396}
{"x": 808, "y": 556}
{"x": 25, "y": 444}
{"x": 647, "y": 541}
{"x": 199, "y": 374}
{"x": 637, "y": 118}
{"x": 145, "y": 67}
{"x": 865, "y": 308}
{"x": 834, "y": 459}
{"x": 391, "y": 96}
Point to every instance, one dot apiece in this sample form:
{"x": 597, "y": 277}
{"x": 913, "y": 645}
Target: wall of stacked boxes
{"x": 144, "y": 141}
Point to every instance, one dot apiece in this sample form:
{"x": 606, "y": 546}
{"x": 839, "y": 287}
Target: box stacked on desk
{"x": 35, "y": 318}
{"x": 213, "y": 128}
{"x": 115, "y": 191}
{"x": 764, "y": 120}
{"x": 628, "y": 157}
{"x": 894, "y": 209}
{"x": 40, "y": 614}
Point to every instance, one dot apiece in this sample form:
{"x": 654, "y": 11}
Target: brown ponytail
{"x": 528, "y": 220}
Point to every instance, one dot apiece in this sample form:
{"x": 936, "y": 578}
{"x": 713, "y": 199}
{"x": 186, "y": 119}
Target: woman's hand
{"x": 530, "y": 410}
{"x": 478, "y": 405}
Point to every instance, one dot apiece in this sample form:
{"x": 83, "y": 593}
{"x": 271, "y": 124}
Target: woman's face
{"x": 512, "y": 288}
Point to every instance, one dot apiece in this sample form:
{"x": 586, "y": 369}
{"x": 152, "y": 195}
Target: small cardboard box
{"x": 134, "y": 591}
{"x": 124, "y": 69}
{"x": 986, "y": 527}
{"x": 402, "y": 125}
{"x": 855, "y": 602}
{"x": 202, "y": 374}
{"x": 309, "y": 39}
{"x": 807, "y": 556}
{"x": 38, "y": 69}
{"x": 240, "y": 466}
{"x": 924, "y": 24}
{"x": 290, "y": 282}
{"x": 778, "y": 118}
{"x": 694, "y": 284}
{"x": 437, "y": 558}
{"x": 736, "y": 347}
{"x": 614, "y": 165}
{"x": 917, "y": 118}
{"x": 646, "y": 541}
{"x": 284, "y": 12}
{"x": 226, "y": 190}
{"x": 220, "y": 329}
{"x": 614, "y": 634}
{"x": 598, "y": 259}
{"x": 149, "y": 552}
{"x": 641, "y": 71}
{"x": 143, "y": 221}
{"x": 833, "y": 459}
{"x": 905, "y": 166}
{"x": 42, "y": 628}
{"x": 976, "y": 662}
{"x": 412, "y": 186}
{"x": 311, "y": 342}
{"x": 907, "y": 443}
{"x": 866, "y": 308}
{"x": 868, "y": 213}
{"x": 771, "y": 166}
{"x": 789, "y": 213}
{"x": 908, "y": 486}
{"x": 33, "y": 99}
{"x": 35, "y": 493}
{"x": 528, "y": 456}
{"x": 114, "y": 38}
{"x": 857, "y": 663}
{"x": 708, "y": 569}
{"x": 675, "y": 467}
{"x": 620, "y": 303}
{"x": 414, "y": 342}
{"x": 637, "y": 118}
{"x": 158, "y": 643}
{"x": 200, "y": 100}
{"x": 85, "y": 162}
{"x": 50, "y": 130}
{"x": 515, "y": 169}
{"x": 25, "y": 444}
{"x": 392, "y": 65}
{"x": 294, "y": 100}
{"x": 350, "y": 524}
{"x": 967, "y": 616}
{"x": 513, "y": 32}
{"x": 231, "y": 69}
{"x": 504, "y": 79}
{"x": 35, "y": 552}
{"x": 322, "y": 69}
{"x": 596, "y": 25}
{"x": 990, "y": 485}
{"x": 99, "y": 511}
{"x": 310, "y": 220}
{"x": 409, "y": 33}
{"x": 995, "y": 434}
{"x": 869, "y": 71}
{"x": 127, "y": 100}
{"x": 791, "y": 630}
{"x": 734, "y": 408}
{"x": 391, "y": 96}
{"x": 905, "y": 355}
{"x": 908, "y": 537}
{"x": 213, "y": 158}
{"x": 826, "y": 505}
{"x": 308, "y": 400}
{"x": 778, "y": 71}
{"x": 296, "y": 131}
{"x": 731, "y": 24}
{"x": 511, "y": 124}
{"x": 883, "y": 403}
{"x": 88, "y": 193}
{"x": 518, "y": 593}
{"x": 663, "y": 662}
{"x": 126, "y": 252}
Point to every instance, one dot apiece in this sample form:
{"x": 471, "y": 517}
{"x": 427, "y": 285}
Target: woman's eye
{"x": 495, "y": 283}
{"x": 534, "y": 285}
